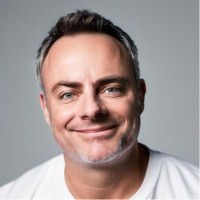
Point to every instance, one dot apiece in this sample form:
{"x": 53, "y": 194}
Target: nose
{"x": 91, "y": 108}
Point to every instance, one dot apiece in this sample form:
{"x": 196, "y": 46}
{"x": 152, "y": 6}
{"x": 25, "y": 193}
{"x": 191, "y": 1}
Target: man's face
{"x": 91, "y": 100}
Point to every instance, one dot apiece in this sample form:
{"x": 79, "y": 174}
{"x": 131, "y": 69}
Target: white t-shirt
{"x": 166, "y": 178}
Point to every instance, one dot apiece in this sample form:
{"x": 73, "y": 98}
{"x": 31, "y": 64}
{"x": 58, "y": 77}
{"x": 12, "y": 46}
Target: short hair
{"x": 83, "y": 21}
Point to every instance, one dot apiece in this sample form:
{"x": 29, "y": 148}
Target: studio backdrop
{"x": 166, "y": 34}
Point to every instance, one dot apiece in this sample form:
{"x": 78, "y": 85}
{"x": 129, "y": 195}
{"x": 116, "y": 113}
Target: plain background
{"x": 166, "y": 33}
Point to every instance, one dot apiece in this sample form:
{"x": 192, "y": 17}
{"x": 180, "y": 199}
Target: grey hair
{"x": 85, "y": 21}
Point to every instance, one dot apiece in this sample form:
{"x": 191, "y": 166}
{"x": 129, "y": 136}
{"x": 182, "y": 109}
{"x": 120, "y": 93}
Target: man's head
{"x": 80, "y": 22}
{"x": 93, "y": 95}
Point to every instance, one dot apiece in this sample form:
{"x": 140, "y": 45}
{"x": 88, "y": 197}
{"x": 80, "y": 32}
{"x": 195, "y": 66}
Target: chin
{"x": 103, "y": 154}
{"x": 107, "y": 158}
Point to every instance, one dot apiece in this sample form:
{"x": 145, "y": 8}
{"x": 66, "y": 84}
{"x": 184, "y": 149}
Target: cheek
{"x": 123, "y": 108}
{"x": 60, "y": 116}
{"x": 129, "y": 129}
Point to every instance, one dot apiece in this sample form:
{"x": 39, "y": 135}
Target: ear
{"x": 43, "y": 104}
{"x": 141, "y": 94}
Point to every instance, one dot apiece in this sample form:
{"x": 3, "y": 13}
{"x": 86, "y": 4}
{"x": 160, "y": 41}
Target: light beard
{"x": 123, "y": 148}
{"x": 118, "y": 155}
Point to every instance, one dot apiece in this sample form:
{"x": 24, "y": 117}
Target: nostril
{"x": 92, "y": 110}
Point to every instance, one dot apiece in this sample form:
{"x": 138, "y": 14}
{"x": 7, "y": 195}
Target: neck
{"x": 119, "y": 180}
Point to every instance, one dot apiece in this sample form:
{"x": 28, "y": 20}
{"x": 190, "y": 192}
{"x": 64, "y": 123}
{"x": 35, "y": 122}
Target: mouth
{"x": 98, "y": 131}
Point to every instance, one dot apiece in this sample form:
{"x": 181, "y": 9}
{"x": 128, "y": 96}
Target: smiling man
{"x": 88, "y": 96}
{"x": 92, "y": 97}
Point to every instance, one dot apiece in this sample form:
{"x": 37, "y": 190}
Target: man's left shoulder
{"x": 179, "y": 177}
{"x": 181, "y": 174}
{"x": 175, "y": 164}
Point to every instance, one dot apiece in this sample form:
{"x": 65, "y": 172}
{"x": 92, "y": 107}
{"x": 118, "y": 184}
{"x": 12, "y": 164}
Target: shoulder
{"x": 174, "y": 164}
{"x": 31, "y": 181}
{"x": 177, "y": 176}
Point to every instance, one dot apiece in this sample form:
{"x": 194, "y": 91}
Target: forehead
{"x": 86, "y": 54}
{"x": 89, "y": 41}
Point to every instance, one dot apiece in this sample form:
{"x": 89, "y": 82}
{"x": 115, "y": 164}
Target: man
{"x": 92, "y": 96}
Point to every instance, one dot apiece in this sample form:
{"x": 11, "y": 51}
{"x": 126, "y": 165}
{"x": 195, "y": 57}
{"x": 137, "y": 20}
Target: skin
{"x": 93, "y": 105}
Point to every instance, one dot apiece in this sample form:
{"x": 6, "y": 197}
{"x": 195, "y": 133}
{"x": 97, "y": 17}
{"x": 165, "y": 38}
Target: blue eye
{"x": 67, "y": 95}
{"x": 113, "y": 90}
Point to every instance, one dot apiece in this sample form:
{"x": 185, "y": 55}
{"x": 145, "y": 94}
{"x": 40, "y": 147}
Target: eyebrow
{"x": 99, "y": 83}
{"x": 66, "y": 84}
{"x": 112, "y": 79}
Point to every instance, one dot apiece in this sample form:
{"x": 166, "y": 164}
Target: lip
{"x": 97, "y": 132}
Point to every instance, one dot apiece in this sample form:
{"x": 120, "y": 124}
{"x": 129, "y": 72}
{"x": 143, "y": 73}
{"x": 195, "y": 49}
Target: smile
{"x": 97, "y": 132}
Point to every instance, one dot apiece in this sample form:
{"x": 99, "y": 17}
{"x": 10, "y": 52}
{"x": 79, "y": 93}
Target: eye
{"x": 67, "y": 96}
{"x": 113, "y": 91}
